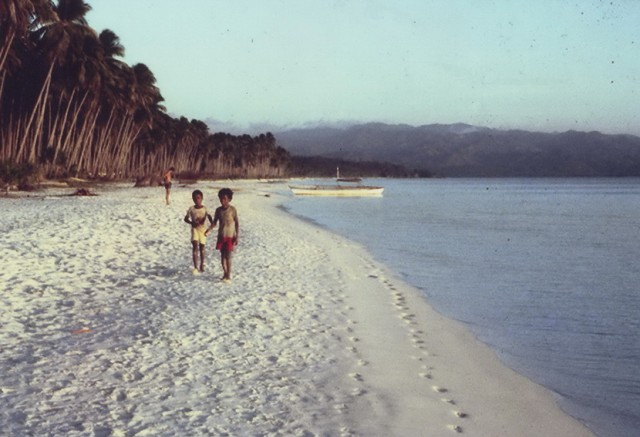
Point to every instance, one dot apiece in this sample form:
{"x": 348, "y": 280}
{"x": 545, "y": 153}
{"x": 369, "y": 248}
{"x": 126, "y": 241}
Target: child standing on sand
{"x": 196, "y": 217}
{"x": 227, "y": 216}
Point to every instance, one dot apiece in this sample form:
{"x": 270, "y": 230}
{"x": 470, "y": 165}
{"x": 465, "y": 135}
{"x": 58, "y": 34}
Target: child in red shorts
{"x": 227, "y": 216}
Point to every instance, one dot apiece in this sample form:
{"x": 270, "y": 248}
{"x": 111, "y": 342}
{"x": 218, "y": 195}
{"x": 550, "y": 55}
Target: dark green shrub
{"x": 16, "y": 174}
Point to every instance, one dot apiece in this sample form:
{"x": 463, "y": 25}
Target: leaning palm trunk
{"x": 126, "y": 166}
{"x": 6, "y": 49}
{"x": 58, "y": 136}
{"x": 86, "y": 139}
{"x": 128, "y": 133}
{"x": 102, "y": 141}
{"x": 70, "y": 142}
{"x": 5, "y": 129}
{"x": 126, "y": 140}
{"x": 117, "y": 145}
{"x": 37, "y": 112}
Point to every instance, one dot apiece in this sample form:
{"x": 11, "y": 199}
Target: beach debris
{"x": 83, "y": 192}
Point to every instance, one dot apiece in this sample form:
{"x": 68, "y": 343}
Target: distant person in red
{"x": 227, "y": 216}
{"x": 166, "y": 181}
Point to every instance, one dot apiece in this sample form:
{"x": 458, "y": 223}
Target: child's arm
{"x": 237, "y": 229}
{"x": 194, "y": 223}
{"x": 212, "y": 224}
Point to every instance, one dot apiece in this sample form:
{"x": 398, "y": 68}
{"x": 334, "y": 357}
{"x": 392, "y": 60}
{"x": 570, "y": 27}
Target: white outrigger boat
{"x": 337, "y": 190}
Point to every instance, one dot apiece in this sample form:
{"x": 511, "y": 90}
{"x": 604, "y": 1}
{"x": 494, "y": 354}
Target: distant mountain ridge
{"x": 462, "y": 150}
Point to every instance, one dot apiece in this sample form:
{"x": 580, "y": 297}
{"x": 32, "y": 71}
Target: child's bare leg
{"x": 228, "y": 265}
{"x": 224, "y": 259}
{"x": 202, "y": 257}
{"x": 223, "y": 264}
{"x": 194, "y": 253}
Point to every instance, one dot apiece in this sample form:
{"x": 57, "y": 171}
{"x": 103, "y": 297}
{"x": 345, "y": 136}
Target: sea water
{"x": 544, "y": 271}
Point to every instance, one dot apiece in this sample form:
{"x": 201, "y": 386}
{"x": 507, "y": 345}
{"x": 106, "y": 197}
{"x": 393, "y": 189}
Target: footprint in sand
{"x": 408, "y": 318}
{"x": 439, "y": 389}
{"x": 358, "y": 391}
{"x": 340, "y": 408}
{"x": 119, "y": 396}
{"x": 400, "y": 306}
{"x": 356, "y": 376}
{"x": 398, "y": 297}
{"x": 400, "y": 302}
{"x": 346, "y": 432}
{"x": 455, "y": 428}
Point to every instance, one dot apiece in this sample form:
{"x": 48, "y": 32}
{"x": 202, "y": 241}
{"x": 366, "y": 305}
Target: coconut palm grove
{"x": 70, "y": 106}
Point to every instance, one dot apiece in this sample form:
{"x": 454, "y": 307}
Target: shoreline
{"x": 447, "y": 376}
{"x": 312, "y": 336}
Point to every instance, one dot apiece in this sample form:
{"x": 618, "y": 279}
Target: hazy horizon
{"x": 259, "y": 128}
{"x": 543, "y": 66}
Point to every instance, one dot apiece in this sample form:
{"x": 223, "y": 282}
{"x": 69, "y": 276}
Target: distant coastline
{"x": 462, "y": 150}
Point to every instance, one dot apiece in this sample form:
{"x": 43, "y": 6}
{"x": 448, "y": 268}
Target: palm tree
{"x": 17, "y": 17}
{"x": 112, "y": 102}
{"x": 64, "y": 44}
{"x": 141, "y": 112}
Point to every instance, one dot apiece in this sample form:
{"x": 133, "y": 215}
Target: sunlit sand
{"x": 105, "y": 330}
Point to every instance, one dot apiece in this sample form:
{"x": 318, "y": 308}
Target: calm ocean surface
{"x": 545, "y": 271}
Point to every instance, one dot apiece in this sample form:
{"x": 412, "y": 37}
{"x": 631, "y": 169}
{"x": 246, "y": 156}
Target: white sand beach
{"x": 104, "y": 330}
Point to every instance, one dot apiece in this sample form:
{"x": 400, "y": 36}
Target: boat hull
{"x": 336, "y": 191}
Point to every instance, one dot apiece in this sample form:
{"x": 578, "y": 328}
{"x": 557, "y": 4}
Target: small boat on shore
{"x": 337, "y": 190}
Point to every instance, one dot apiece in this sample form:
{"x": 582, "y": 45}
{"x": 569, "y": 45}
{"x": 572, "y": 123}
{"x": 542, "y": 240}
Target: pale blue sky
{"x": 548, "y": 65}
